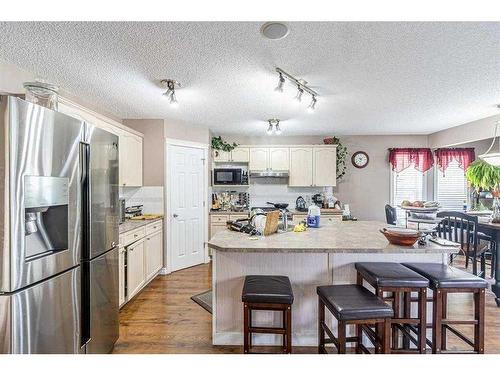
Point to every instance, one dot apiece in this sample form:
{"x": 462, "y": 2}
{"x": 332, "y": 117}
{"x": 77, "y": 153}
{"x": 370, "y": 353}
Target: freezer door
{"x": 44, "y": 318}
{"x": 103, "y": 309}
{"x": 104, "y": 202}
{"x": 40, "y": 213}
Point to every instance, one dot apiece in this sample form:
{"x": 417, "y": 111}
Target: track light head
{"x": 300, "y": 91}
{"x": 170, "y": 85}
{"x": 278, "y": 129}
{"x": 269, "y": 130}
{"x": 312, "y": 106}
{"x": 173, "y": 100}
{"x": 281, "y": 82}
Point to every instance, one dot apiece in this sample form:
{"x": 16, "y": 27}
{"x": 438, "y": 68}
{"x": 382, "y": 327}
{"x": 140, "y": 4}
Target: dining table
{"x": 493, "y": 230}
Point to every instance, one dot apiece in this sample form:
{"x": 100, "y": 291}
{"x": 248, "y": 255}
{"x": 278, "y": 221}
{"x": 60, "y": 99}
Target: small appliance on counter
{"x": 300, "y": 204}
{"x": 132, "y": 211}
{"x": 318, "y": 199}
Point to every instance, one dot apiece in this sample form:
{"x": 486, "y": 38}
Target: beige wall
{"x": 153, "y": 149}
{"x": 186, "y": 132}
{"x": 470, "y": 132}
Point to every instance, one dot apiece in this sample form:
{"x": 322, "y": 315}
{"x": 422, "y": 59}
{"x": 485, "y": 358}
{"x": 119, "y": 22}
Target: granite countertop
{"x": 229, "y": 212}
{"x": 292, "y": 211}
{"x": 129, "y": 225}
{"x": 344, "y": 237}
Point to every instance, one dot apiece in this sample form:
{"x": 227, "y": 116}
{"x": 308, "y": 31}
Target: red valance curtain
{"x": 402, "y": 158}
{"x": 464, "y": 156}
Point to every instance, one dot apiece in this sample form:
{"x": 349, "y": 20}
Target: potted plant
{"x": 341, "y": 155}
{"x": 218, "y": 144}
{"x": 484, "y": 176}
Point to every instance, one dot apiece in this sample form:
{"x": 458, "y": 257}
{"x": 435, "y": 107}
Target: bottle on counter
{"x": 313, "y": 216}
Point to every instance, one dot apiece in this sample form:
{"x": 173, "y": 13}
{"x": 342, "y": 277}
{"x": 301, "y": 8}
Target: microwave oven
{"x": 230, "y": 176}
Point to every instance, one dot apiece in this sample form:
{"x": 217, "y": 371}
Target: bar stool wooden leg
{"x": 444, "y": 298}
{"x": 422, "y": 314}
{"x": 341, "y": 337}
{"x": 386, "y": 338}
{"x": 479, "y": 297}
{"x": 246, "y": 325}
{"x": 397, "y": 314}
{"x": 359, "y": 342}
{"x": 436, "y": 321}
{"x": 321, "y": 332}
{"x": 288, "y": 313}
{"x": 407, "y": 315}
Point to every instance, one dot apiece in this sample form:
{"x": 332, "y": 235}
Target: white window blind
{"x": 408, "y": 184}
{"x": 451, "y": 188}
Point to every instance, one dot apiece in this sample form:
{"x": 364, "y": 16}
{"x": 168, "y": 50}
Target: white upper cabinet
{"x": 324, "y": 166}
{"x": 259, "y": 159}
{"x": 130, "y": 159}
{"x": 279, "y": 158}
{"x": 301, "y": 166}
{"x": 240, "y": 155}
{"x": 221, "y": 156}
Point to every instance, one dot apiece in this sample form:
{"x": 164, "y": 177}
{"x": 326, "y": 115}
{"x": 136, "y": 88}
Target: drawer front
{"x": 133, "y": 235}
{"x": 238, "y": 216}
{"x": 219, "y": 219}
{"x": 154, "y": 227}
{"x": 330, "y": 219}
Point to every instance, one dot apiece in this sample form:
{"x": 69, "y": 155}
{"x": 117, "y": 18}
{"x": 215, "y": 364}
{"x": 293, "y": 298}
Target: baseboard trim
{"x": 163, "y": 271}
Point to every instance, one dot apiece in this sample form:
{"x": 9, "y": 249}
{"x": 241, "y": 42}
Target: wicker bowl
{"x": 400, "y": 237}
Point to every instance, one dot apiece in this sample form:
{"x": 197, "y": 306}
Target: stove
{"x": 269, "y": 209}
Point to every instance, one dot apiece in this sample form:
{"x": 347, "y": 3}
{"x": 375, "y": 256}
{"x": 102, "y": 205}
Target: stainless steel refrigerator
{"x": 59, "y": 215}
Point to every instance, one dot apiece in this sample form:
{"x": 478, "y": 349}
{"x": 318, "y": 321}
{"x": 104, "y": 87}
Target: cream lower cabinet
{"x": 135, "y": 268}
{"x": 153, "y": 254}
{"x": 121, "y": 275}
{"x": 140, "y": 259}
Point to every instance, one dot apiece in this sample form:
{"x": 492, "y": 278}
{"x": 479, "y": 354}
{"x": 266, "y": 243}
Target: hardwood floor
{"x": 164, "y": 319}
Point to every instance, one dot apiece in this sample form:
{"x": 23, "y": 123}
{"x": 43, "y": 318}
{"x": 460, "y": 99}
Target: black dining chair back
{"x": 460, "y": 227}
{"x": 390, "y": 214}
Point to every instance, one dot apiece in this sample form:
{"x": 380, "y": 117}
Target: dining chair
{"x": 460, "y": 227}
{"x": 390, "y": 214}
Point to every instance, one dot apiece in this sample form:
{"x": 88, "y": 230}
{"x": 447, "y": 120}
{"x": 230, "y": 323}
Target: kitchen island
{"x": 316, "y": 257}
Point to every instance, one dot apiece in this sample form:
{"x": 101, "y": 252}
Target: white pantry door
{"x": 186, "y": 206}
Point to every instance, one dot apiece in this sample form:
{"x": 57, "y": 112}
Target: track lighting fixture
{"x": 170, "y": 85}
{"x": 274, "y": 126}
{"x": 281, "y": 82}
{"x": 312, "y": 106}
{"x": 301, "y": 88}
{"x": 300, "y": 91}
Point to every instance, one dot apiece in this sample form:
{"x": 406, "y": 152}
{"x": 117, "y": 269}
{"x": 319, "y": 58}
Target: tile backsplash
{"x": 151, "y": 197}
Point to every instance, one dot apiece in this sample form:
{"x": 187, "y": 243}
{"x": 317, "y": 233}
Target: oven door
{"x": 227, "y": 176}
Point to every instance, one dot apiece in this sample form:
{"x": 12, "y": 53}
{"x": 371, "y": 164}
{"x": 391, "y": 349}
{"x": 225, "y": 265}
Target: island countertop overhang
{"x": 343, "y": 237}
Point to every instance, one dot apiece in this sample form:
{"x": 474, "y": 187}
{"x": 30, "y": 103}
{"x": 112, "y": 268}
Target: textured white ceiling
{"x": 373, "y": 78}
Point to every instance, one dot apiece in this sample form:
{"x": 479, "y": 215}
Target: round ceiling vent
{"x": 274, "y": 30}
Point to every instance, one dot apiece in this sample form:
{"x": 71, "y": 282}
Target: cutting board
{"x": 146, "y": 217}
{"x": 272, "y": 219}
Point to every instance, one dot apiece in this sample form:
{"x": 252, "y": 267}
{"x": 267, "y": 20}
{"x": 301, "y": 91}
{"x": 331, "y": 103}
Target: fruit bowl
{"x": 401, "y": 236}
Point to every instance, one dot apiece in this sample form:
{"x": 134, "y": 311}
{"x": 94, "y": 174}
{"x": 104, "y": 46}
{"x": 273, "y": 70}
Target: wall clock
{"x": 360, "y": 159}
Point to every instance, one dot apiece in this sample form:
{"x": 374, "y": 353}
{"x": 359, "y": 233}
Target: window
{"x": 409, "y": 184}
{"x": 451, "y": 188}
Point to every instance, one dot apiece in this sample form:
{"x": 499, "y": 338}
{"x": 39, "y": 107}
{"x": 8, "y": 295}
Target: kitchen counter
{"x": 229, "y": 212}
{"x": 129, "y": 225}
{"x": 322, "y": 256}
{"x": 343, "y": 237}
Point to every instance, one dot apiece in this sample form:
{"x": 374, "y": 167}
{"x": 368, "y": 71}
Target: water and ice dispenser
{"x": 46, "y": 215}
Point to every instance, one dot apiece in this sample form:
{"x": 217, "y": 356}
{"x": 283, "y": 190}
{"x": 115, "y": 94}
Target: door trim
{"x": 169, "y": 142}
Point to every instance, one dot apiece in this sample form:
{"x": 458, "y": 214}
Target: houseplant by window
{"x": 486, "y": 177}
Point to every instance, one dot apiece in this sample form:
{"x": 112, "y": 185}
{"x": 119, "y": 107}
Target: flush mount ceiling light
{"x": 274, "y": 126}
{"x": 301, "y": 88}
{"x": 274, "y": 30}
{"x": 170, "y": 85}
{"x": 494, "y": 157}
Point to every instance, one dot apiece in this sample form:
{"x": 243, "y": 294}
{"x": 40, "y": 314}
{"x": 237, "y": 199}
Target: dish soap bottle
{"x": 313, "y": 214}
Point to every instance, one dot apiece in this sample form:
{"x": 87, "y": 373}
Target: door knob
{"x": 175, "y": 215}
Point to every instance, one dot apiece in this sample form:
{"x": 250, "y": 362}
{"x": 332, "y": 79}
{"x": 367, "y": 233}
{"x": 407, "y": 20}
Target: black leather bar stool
{"x": 399, "y": 281}
{"x": 353, "y": 304}
{"x": 443, "y": 280}
{"x": 272, "y": 293}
